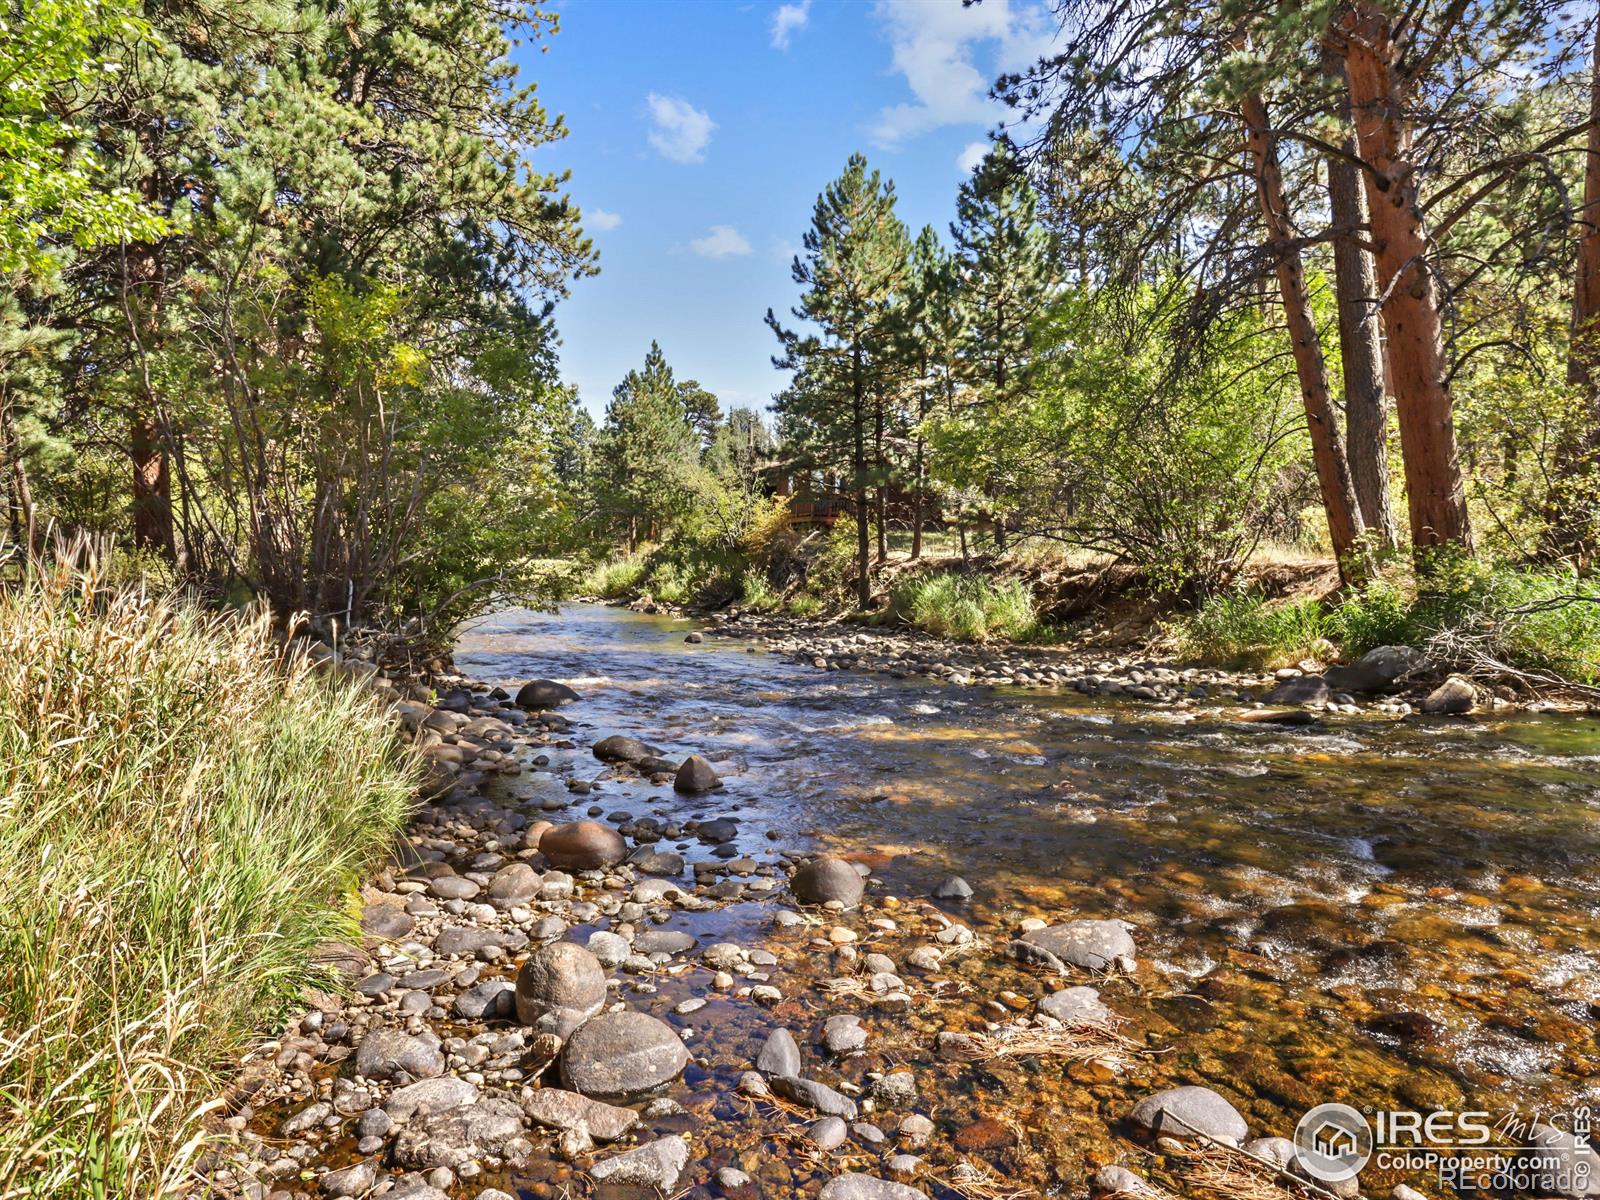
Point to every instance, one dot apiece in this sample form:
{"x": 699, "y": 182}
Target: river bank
{"x": 1274, "y": 960}
{"x": 1395, "y": 681}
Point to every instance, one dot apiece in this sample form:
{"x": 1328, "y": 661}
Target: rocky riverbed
{"x": 674, "y": 922}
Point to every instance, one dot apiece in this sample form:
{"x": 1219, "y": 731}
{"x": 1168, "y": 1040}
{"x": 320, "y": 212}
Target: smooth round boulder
{"x": 559, "y": 988}
{"x": 696, "y": 775}
{"x": 826, "y": 879}
{"x": 539, "y": 695}
{"x": 515, "y": 882}
{"x": 952, "y": 888}
{"x": 582, "y": 846}
{"x": 622, "y": 1056}
{"x": 1186, "y": 1112}
{"x": 1454, "y": 697}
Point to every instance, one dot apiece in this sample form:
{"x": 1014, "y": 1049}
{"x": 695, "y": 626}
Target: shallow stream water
{"x": 1389, "y": 913}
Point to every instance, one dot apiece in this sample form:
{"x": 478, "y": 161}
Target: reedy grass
{"x": 972, "y": 608}
{"x": 183, "y": 817}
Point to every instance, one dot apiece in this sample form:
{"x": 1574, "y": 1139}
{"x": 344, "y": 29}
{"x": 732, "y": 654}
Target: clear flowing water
{"x": 1386, "y": 913}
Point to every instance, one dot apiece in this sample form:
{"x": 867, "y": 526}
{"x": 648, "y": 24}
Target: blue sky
{"x": 701, "y": 132}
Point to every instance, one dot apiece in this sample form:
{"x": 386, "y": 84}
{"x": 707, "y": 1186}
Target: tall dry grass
{"x": 183, "y": 816}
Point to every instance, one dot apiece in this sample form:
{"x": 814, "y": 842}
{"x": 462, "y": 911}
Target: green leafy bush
{"x": 184, "y": 817}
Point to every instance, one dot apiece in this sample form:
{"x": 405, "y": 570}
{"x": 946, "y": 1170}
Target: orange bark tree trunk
{"x": 1339, "y": 502}
{"x": 1411, "y": 308}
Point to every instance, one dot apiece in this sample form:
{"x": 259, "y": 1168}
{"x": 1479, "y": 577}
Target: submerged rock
{"x": 1077, "y": 1006}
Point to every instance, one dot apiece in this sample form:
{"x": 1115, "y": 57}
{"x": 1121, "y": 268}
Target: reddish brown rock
{"x": 583, "y": 846}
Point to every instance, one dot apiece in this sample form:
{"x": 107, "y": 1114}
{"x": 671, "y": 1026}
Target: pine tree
{"x": 931, "y": 332}
{"x": 854, "y": 270}
{"x": 1005, "y": 277}
{"x": 649, "y": 452}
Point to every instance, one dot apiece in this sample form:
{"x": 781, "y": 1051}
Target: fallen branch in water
{"x": 973, "y": 1181}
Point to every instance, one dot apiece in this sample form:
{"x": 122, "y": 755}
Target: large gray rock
{"x": 560, "y": 987}
{"x": 541, "y": 694}
{"x": 458, "y": 1135}
{"x": 554, "y": 1108}
{"x": 818, "y": 1097}
{"x": 620, "y": 748}
{"x": 355, "y": 1180}
{"x": 867, "y": 1187}
{"x": 1185, "y": 1112}
{"x": 393, "y": 1054}
{"x": 1303, "y": 689}
{"x": 1453, "y": 697}
{"x": 514, "y": 883}
{"x": 696, "y": 775}
{"x": 582, "y": 846}
{"x": 780, "y": 1055}
{"x": 621, "y": 1056}
{"x": 657, "y": 1164}
{"x": 1091, "y": 945}
{"x": 1376, "y": 671}
{"x": 827, "y": 879}
{"x": 436, "y": 1095}
{"x": 1077, "y": 1006}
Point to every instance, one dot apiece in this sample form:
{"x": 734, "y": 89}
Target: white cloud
{"x": 681, "y": 130}
{"x": 601, "y": 219}
{"x": 722, "y": 242}
{"x": 934, "y": 41}
{"x": 967, "y": 161}
{"x": 786, "y": 20}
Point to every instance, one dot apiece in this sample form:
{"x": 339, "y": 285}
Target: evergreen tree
{"x": 649, "y": 453}
{"x": 1004, "y": 278}
{"x": 854, "y": 270}
{"x": 931, "y": 331}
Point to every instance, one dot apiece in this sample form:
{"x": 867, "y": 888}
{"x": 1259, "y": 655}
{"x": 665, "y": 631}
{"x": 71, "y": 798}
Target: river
{"x": 1393, "y": 914}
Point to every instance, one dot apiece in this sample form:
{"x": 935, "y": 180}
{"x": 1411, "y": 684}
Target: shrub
{"x": 1244, "y": 628}
{"x": 184, "y": 817}
{"x": 617, "y": 578}
{"x": 804, "y": 605}
{"x": 755, "y": 592}
{"x": 969, "y": 607}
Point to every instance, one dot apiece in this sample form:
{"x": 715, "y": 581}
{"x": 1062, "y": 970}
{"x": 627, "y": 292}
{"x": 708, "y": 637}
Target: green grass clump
{"x": 972, "y": 608}
{"x": 804, "y": 604}
{"x": 617, "y": 578}
{"x": 183, "y": 818}
{"x": 756, "y": 592}
{"x": 1245, "y": 629}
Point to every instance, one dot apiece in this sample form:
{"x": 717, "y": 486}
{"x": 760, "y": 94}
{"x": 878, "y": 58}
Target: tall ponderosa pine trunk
{"x": 1571, "y": 531}
{"x": 1411, "y": 309}
{"x": 1343, "y": 510}
{"x": 1366, "y": 396}
{"x": 152, "y": 482}
{"x": 858, "y": 413}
